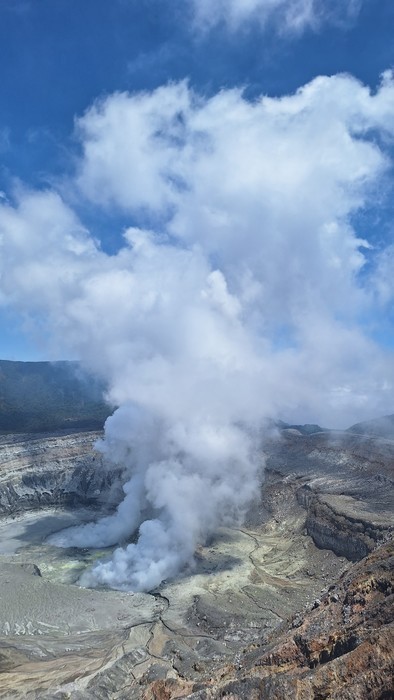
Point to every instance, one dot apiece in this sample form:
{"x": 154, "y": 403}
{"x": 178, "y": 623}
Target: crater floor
{"x": 324, "y": 502}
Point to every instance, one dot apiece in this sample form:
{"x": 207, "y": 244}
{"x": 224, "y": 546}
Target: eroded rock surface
{"x": 325, "y": 502}
{"x": 38, "y": 471}
{"x": 346, "y": 486}
{"x": 342, "y": 648}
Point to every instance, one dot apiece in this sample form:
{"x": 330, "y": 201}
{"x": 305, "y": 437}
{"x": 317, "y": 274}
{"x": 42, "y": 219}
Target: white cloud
{"x": 292, "y": 16}
{"x": 129, "y": 145}
{"x": 271, "y": 184}
{"x": 247, "y": 306}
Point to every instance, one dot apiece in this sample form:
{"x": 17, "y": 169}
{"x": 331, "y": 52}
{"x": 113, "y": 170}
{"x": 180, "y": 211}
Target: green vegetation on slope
{"x": 47, "y": 396}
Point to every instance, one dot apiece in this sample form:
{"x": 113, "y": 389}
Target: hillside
{"x": 379, "y": 427}
{"x": 47, "y": 396}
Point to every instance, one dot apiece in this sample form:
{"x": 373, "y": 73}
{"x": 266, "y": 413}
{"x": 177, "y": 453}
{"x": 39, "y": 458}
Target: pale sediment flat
{"x": 27, "y": 529}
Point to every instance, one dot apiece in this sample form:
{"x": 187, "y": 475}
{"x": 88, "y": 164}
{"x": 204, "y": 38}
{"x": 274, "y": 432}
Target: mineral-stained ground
{"x": 297, "y": 603}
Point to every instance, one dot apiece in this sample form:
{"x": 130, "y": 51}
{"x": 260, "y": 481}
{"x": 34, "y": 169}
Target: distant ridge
{"x": 305, "y": 429}
{"x": 49, "y": 396}
{"x": 379, "y": 427}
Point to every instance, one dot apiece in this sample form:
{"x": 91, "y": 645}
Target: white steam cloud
{"x": 249, "y": 298}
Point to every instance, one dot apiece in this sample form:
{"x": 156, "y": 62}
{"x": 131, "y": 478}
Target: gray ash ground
{"x": 325, "y": 501}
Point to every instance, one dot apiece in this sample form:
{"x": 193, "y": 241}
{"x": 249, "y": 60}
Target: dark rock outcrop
{"x": 342, "y": 650}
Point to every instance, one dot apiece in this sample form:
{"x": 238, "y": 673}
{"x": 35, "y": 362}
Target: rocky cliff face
{"x": 341, "y": 649}
{"x": 263, "y": 613}
{"x": 334, "y": 522}
{"x": 346, "y": 484}
{"x": 38, "y": 471}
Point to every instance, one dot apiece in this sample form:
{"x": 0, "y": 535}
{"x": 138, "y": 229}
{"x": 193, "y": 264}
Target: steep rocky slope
{"x": 240, "y": 622}
{"x": 51, "y": 470}
{"x": 342, "y": 648}
{"x": 345, "y": 483}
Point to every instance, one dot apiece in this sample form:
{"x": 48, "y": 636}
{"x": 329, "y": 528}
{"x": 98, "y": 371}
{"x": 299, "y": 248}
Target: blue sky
{"x": 58, "y": 56}
{"x": 196, "y": 204}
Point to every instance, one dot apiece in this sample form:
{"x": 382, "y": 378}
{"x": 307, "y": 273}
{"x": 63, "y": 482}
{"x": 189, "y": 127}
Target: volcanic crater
{"x": 296, "y": 602}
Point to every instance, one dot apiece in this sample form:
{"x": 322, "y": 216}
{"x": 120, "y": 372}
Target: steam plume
{"x": 249, "y": 298}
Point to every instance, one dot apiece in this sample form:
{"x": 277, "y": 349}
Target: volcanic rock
{"x": 343, "y": 647}
{"x": 263, "y": 612}
{"x": 45, "y": 470}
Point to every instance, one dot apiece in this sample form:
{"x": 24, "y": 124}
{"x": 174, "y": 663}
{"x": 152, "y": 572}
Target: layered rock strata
{"x": 342, "y": 649}
{"x": 240, "y": 623}
{"x": 62, "y": 469}
{"x": 346, "y": 485}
